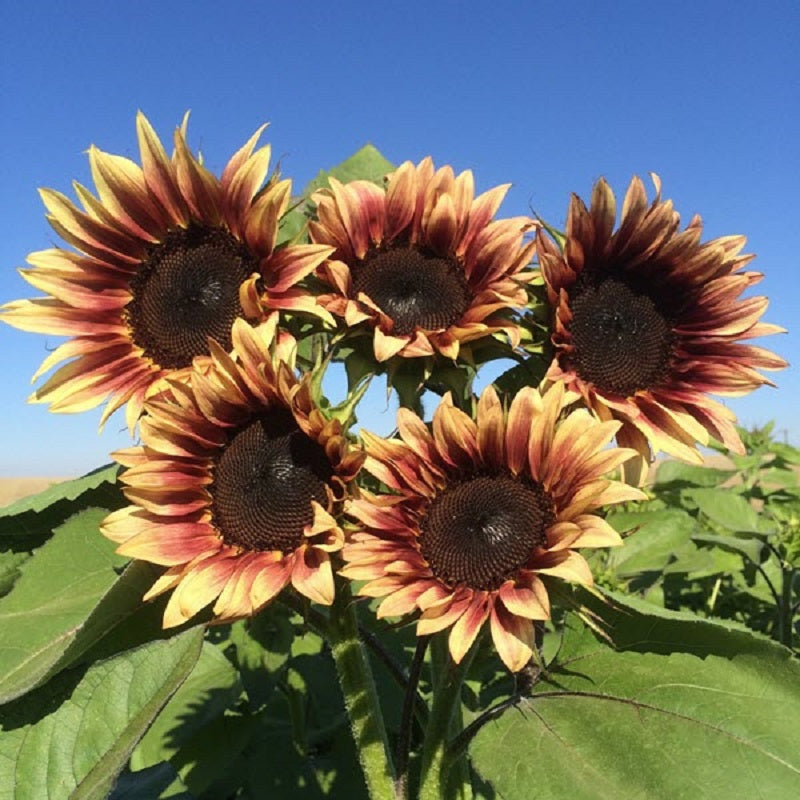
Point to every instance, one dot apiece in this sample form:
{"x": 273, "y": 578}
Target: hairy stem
{"x": 360, "y": 696}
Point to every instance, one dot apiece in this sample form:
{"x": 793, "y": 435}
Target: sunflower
{"x": 168, "y": 255}
{"x": 480, "y": 510}
{"x": 647, "y": 321}
{"x": 237, "y": 485}
{"x": 421, "y": 262}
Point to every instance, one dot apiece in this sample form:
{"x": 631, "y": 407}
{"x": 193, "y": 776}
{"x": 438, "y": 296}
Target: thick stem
{"x": 360, "y": 697}
{"x": 449, "y": 678}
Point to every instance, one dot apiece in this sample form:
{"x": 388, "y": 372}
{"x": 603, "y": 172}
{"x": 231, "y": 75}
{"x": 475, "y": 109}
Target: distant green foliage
{"x": 719, "y": 541}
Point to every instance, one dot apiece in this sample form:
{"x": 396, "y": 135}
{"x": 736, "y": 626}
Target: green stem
{"x": 456, "y": 768}
{"x": 785, "y": 606}
{"x": 448, "y": 679}
{"x": 403, "y": 749}
{"x": 360, "y": 696}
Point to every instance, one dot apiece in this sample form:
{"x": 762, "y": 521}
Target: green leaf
{"x": 293, "y": 223}
{"x": 152, "y": 782}
{"x": 670, "y": 472}
{"x": 657, "y": 536}
{"x": 636, "y": 625}
{"x": 749, "y": 463}
{"x": 26, "y": 524}
{"x": 359, "y": 364}
{"x": 366, "y": 164}
{"x": 66, "y": 490}
{"x": 57, "y": 590}
{"x": 786, "y": 452}
{"x": 10, "y": 563}
{"x": 212, "y": 687}
{"x": 775, "y": 478}
{"x": 121, "y": 620}
{"x": 272, "y": 765}
{"x": 528, "y": 373}
{"x": 730, "y": 510}
{"x": 298, "y": 745}
{"x": 407, "y": 377}
{"x": 206, "y": 762}
{"x": 752, "y": 549}
{"x": 456, "y": 379}
{"x": 72, "y": 737}
{"x": 697, "y": 563}
{"x": 756, "y": 586}
{"x": 262, "y": 647}
{"x": 345, "y": 411}
{"x": 689, "y": 708}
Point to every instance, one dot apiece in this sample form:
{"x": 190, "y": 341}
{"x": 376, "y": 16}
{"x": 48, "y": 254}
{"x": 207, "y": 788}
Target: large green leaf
{"x": 633, "y": 624}
{"x": 752, "y": 549}
{"x": 656, "y": 536}
{"x": 28, "y": 523}
{"x": 72, "y": 737}
{"x": 212, "y": 688}
{"x": 56, "y": 592}
{"x": 776, "y": 479}
{"x": 120, "y": 620}
{"x": 685, "y": 708}
{"x": 671, "y": 472}
{"x": 63, "y": 491}
{"x": 786, "y": 452}
{"x": 528, "y": 373}
{"x": 730, "y": 510}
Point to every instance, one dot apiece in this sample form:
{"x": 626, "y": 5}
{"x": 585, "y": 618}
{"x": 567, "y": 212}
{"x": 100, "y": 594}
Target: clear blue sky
{"x": 548, "y": 96}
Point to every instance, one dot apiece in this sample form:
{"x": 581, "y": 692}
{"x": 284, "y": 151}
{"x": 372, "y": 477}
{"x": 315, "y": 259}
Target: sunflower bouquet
{"x": 281, "y": 595}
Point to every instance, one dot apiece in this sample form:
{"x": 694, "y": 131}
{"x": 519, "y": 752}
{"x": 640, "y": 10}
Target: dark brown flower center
{"x": 623, "y": 341}
{"x": 413, "y": 288}
{"x": 264, "y": 482}
{"x": 186, "y": 290}
{"x": 481, "y": 531}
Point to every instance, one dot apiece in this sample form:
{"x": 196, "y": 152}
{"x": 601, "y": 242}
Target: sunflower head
{"x": 648, "y": 321}
{"x": 478, "y": 511}
{"x": 165, "y": 256}
{"x": 421, "y": 262}
{"x": 238, "y": 484}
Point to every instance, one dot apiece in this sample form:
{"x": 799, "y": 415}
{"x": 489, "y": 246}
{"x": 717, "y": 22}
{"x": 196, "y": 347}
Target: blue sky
{"x": 548, "y": 96}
